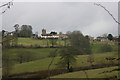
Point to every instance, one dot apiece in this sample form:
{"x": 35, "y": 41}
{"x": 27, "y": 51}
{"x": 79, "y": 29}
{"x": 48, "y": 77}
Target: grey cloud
{"x": 54, "y": 16}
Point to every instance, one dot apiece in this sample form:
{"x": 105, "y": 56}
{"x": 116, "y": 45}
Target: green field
{"x": 95, "y": 73}
{"x": 36, "y": 42}
{"x": 43, "y": 63}
{"x": 40, "y": 53}
{"x": 44, "y": 43}
{"x": 96, "y": 48}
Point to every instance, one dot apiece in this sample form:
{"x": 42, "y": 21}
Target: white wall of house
{"x": 49, "y": 36}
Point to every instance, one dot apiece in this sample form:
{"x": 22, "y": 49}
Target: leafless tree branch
{"x": 108, "y": 12}
{"x": 49, "y": 67}
{"x": 6, "y": 4}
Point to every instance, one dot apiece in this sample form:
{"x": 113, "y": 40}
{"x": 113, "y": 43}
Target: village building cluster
{"x": 52, "y": 35}
{"x": 100, "y": 38}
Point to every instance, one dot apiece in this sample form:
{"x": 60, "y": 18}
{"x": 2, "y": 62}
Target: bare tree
{"x": 86, "y": 74}
{"x": 67, "y": 58}
{"x": 52, "y": 55}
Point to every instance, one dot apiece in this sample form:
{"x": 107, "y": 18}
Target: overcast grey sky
{"x": 63, "y": 16}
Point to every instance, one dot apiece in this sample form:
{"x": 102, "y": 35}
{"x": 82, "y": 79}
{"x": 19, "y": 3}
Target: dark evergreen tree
{"x": 110, "y": 37}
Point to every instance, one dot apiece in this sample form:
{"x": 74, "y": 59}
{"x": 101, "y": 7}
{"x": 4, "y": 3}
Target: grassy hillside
{"x": 96, "y": 47}
{"x": 43, "y": 60}
{"x": 43, "y": 63}
{"x": 41, "y": 52}
{"x": 43, "y": 43}
{"x": 95, "y": 73}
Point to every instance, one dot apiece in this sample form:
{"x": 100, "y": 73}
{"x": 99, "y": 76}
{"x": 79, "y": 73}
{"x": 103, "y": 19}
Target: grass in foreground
{"x": 95, "y": 73}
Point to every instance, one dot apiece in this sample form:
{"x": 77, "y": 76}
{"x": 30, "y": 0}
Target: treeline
{"x": 23, "y": 31}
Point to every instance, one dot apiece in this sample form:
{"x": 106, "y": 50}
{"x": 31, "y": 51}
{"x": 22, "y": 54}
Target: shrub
{"x": 106, "y": 48}
{"x": 90, "y": 59}
{"x": 25, "y": 56}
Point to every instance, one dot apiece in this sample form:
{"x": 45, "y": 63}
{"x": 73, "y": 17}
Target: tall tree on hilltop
{"x": 80, "y": 42}
{"x": 16, "y": 26}
{"x": 26, "y": 31}
{"x": 110, "y": 37}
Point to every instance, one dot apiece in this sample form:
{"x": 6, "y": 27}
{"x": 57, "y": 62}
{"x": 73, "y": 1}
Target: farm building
{"x": 6, "y": 33}
{"x": 102, "y": 38}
